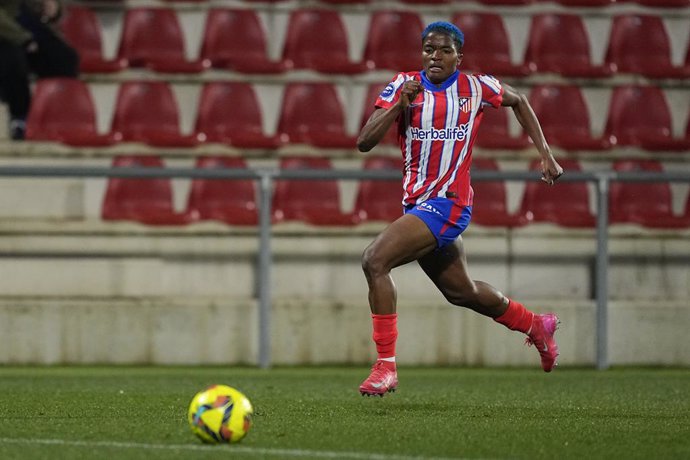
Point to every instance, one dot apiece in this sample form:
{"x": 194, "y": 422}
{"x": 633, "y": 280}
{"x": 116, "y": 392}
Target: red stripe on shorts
{"x": 455, "y": 214}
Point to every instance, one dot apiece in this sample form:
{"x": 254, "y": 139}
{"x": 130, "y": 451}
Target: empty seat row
{"x": 563, "y": 114}
{"x": 573, "y": 3}
{"x": 235, "y": 40}
{"x": 63, "y": 111}
{"x": 317, "y": 202}
{"x": 568, "y": 204}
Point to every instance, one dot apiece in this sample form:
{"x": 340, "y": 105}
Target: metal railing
{"x": 266, "y": 177}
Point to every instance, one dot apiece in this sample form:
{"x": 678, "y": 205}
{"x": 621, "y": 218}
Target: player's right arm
{"x": 381, "y": 119}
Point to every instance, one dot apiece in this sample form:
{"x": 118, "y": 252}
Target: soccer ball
{"x": 220, "y": 414}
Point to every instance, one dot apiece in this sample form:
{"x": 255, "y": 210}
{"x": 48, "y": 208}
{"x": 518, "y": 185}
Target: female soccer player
{"x": 438, "y": 111}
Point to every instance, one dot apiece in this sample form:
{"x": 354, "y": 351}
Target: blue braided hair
{"x": 446, "y": 28}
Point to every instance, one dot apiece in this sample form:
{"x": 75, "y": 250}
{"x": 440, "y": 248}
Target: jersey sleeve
{"x": 391, "y": 93}
{"x": 492, "y": 91}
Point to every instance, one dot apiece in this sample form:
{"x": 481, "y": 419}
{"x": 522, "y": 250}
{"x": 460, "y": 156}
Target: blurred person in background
{"x": 30, "y": 42}
{"x": 437, "y": 112}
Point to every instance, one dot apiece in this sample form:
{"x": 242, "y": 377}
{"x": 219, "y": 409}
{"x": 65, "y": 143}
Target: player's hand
{"x": 409, "y": 92}
{"x": 550, "y": 170}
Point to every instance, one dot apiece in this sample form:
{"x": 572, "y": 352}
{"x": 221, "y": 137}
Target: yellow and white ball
{"x": 220, "y": 414}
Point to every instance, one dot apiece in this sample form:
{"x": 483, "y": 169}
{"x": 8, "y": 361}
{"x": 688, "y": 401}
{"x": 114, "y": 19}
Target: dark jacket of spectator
{"x": 10, "y": 29}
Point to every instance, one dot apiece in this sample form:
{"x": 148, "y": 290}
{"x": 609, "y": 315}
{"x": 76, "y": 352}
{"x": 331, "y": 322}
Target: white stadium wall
{"x": 123, "y": 293}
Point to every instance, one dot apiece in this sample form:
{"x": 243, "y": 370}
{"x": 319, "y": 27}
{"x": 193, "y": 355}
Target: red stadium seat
{"x": 234, "y": 39}
{"x": 487, "y": 52}
{"x": 639, "y": 44}
{"x": 82, "y": 30}
{"x": 63, "y": 110}
{"x": 148, "y": 201}
{"x": 665, "y": 3}
{"x": 564, "y": 117}
{"x": 229, "y": 201}
{"x": 643, "y": 203}
{"x": 393, "y": 41}
{"x": 152, "y": 38}
{"x": 380, "y": 200}
{"x": 494, "y": 133}
{"x": 146, "y": 111}
{"x": 640, "y": 117}
{"x": 229, "y": 112}
{"x": 373, "y": 91}
{"x": 490, "y": 201}
{"x": 566, "y": 204}
{"x": 585, "y": 2}
{"x": 315, "y": 202}
{"x": 309, "y": 33}
{"x": 559, "y": 43}
{"x": 506, "y": 2}
{"x": 312, "y": 114}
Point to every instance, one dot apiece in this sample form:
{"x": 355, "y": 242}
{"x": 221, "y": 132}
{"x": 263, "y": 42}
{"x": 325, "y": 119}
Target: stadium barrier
{"x": 266, "y": 177}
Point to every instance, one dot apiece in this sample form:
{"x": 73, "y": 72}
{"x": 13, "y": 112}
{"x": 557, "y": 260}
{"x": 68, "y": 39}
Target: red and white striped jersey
{"x": 437, "y": 131}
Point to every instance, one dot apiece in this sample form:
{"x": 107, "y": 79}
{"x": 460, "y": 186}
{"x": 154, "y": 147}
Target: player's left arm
{"x": 551, "y": 170}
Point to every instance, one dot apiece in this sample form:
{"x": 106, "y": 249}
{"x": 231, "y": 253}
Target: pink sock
{"x": 516, "y": 317}
{"x": 385, "y": 334}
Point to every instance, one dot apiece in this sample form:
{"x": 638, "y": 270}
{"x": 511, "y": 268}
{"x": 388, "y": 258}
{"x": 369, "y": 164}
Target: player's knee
{"x": 372, "y": 263}
{"x": 465, "y": 296}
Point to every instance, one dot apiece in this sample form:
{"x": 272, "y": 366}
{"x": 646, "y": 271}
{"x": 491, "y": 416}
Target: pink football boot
{"x": 541, "y": 336}
{"x": 383, "y": 378}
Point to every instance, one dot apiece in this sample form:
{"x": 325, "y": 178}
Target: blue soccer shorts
{"x": 445, "y": 218}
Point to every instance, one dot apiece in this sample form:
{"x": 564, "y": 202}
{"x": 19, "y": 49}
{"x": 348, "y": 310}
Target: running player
{"x": 438, "y": 111}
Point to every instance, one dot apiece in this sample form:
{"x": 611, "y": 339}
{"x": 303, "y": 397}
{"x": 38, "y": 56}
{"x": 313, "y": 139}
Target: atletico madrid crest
{"x": 465, "y": 105}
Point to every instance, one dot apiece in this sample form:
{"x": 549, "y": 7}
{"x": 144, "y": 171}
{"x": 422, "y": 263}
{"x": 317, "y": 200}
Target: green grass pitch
{"x": 316, "y": 412}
